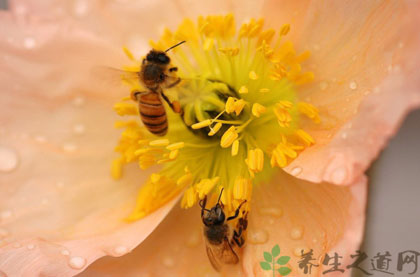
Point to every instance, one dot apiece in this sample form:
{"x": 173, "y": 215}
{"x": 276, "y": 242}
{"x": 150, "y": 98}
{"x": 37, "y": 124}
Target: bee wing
{"x": 114, "y": 76}
{"x": 221, "y": 254}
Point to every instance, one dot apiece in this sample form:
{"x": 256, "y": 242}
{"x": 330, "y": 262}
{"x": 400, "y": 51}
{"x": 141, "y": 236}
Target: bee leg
{"x": 202, "y": 204}
{"x": 240, "y": 227}
{"x": 174, "y": 83}
{"x": 236, "y": 212}
{"x": 175, "y": 105}
{"x": 172, "y": 69}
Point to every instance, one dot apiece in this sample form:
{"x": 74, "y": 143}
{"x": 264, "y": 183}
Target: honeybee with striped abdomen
{"x": 156, "y": 74}
{"x": 221, "y": 238}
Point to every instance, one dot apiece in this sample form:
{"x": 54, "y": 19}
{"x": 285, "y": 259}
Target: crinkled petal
{"x": 60, "y": 210}
{"x": 365, "y": 60}
{"x": 296, "y": 215}
{"x": 289, "y": 212}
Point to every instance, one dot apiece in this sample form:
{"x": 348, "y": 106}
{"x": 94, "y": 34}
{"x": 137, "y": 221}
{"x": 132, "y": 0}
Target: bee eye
{"x": 162, "y": 77}
{"x": 162, "y": 58}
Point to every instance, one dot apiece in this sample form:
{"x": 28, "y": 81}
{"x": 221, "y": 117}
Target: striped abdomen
{"x": 153, "y": 114}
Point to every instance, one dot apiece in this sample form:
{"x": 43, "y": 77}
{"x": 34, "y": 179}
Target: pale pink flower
{"x": 60, "y": 210}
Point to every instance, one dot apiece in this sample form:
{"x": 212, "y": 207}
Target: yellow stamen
{"x": 242, "y": 188}
{"x": 126, "y": 109}
{"x": 228, "y": 137}
{"x": 243, "y": 90}
{"x": 215, "y": 129}
{"x": 173, "y": 154}
{"x": 116, "y": 168}
{"x": 230, "y": 105}
{"x": 159, "y": 142}
{"x": 258, "y": 109}
{"x": 201, "y": 124}
{"x": 252, "y": 75}
{"x": 310, "y": 111}
{"x": 175, "y": 146}
{"x": 255, "y": 160}
{"x": 235, "y": 148}
{"x": 189, "y": 199}
{"x": 305, "y": 137}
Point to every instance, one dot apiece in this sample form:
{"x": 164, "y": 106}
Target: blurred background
{"x": 392, "y": 213}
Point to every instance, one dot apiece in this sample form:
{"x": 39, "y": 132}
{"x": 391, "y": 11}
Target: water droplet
{"x": 316, "y": 47}
{"x": 59, "y": 184}
{"x": 29, "y": 43}
{"x": 6, "y": 214}
{"x": 65, "y": 252}
{"x": 168, "y": 261}
{"x": 30, "y": 246}
{"x": 344, "y": 135}
{"x": 77, "y": 262}
{"x": 81, "y": 7}
{"x": 69, "y": 147}
{"x": 272, "y": 211}
{"x": 323, "y": 85}
{"x": 339, "y": 175}
{"x": 45, "y": 201}
{"x": 78, "y": 101}
{"x": 389, "y": 68}
{"x": 296, "y": 171}
{"x": 298, "y": 251}
{"x": 8, "y": 159}
{"x": 79, "y": 129}
{"x": 400, "y": 45}
{"x": 120, "y": 250}
{"x": 367, "y": 92}
{"x": 3, "y": 233}
{"x": 296, "y": 233}
{"x": 194, "y": 239}
{"x": 353, "y": 85}
{"x": 354, "y": 58}
{"x": 376, "y": 90}
{"x": 257, "y": 236}
{"x": 40, "y": 139}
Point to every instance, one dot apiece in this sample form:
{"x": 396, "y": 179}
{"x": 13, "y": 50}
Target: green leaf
{"x": 284, "y": 271}
{"x": 283, "y": 260}
{"x": 268, "y": 257}
{"x": 265, "y": 265}
{"x": 275, "y": 251}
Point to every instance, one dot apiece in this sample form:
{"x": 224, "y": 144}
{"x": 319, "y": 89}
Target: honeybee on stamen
{"x": 222, "y": 240}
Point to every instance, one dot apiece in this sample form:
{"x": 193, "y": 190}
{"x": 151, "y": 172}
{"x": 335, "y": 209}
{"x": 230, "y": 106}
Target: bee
{"x": 221, "y": 239}
{"x": 156, "y": 74}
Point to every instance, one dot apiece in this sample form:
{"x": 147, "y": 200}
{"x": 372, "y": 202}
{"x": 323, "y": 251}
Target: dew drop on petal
{"x": 168, "y": 261}
{"x": 120, "y": 250}
{"x": 59, "y": 184}
{"x": 81, "y": 7}
{"x": 6, "y": 214}
{"x": 258, "y": 236}
{"x": 30, "y": 246}
{"x": 271, "y": 211}
{"x": 339, "y": 175}
{"x": 8, "y": 159}
{"x": 344, "y": 135}
{"x": 296, "y": 171}
{"x": 298, "y": 251}
{"x": 69, "y": 147}
{"x": 77, "y": 262}
{"x": 193, "y": 240}
{"x": 296, "y": 233}
{"x": 353, "y": 85}
{"x": 40, "y": 139}
{"x": 65, "y": 252}
{"x": 78, "y": 101}
{"x": 79, "y": 129}
{"x": 3, "y": 233}
{"x": 29, "y": 42}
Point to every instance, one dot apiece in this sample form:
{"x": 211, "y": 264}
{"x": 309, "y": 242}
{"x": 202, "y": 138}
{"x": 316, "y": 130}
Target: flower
{"x": 220, "y": 140}
{"x": 60, "y": 209}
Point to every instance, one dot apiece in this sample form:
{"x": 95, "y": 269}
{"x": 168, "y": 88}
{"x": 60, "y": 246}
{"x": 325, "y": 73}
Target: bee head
{"x": 158, "y": 57}
{"x": 215, "y": 216}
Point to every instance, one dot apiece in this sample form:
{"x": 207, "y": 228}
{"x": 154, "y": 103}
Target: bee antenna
{"x": 220, "y": 195}
{"x": 178, "y": 44}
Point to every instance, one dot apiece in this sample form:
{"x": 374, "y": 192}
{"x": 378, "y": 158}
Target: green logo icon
{"x": 271, "y": 263}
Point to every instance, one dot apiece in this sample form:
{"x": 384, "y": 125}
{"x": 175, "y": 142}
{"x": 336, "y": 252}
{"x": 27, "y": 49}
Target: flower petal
{"x": 296, "y": 215}
{"x": 365, "y": 60}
